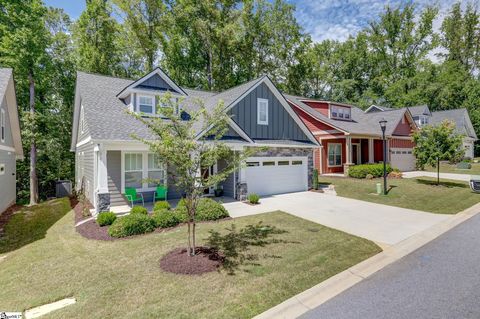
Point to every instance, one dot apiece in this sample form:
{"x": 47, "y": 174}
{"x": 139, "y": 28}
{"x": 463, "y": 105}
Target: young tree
{"x": 177, "y": 145}
{"x": 437, "y": 143}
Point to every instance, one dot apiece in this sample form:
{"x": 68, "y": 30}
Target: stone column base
{"x": 103, "y": 202}
{"x": 346, "y": 167}
{"x": 242, "y": 191}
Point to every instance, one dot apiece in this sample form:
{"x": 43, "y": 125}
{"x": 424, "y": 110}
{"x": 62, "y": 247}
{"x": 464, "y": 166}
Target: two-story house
{"x": 10, "y": 139}
{"x": 108, "y": 159}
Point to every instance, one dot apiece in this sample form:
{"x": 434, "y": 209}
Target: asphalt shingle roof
{"x": 5, "y": 74}
{"x": 419, "y": 110}
{"x": 459, "y": 117}
{"x": 361, "y": 123}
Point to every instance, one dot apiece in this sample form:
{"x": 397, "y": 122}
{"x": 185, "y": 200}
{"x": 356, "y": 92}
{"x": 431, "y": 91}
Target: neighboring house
{"x": 108, "y": 159}
{"x": 423, "y": 116}
{"x": 349, "y": 136}
{"x": 10, "y": 140}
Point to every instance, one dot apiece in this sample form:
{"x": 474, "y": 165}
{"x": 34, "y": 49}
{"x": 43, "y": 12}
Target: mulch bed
{"x": 179, "y": 262}
{"x": 78, "y": 209}
{"x": 251, "y": 204}
{"x": 317, "y": 190}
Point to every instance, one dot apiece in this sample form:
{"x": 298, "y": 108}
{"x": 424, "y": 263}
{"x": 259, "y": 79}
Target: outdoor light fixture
{"x": 383, "y": 126}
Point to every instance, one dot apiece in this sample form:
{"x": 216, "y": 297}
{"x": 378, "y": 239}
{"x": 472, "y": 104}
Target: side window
{"x": 262, "y": 111}
{"x": 2, "y": 125}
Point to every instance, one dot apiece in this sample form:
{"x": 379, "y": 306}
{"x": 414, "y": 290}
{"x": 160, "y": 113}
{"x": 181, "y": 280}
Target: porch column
{"x": 371, "y": 157}
{"x": 349, "y": 150}
{"x": 102, "y": 170}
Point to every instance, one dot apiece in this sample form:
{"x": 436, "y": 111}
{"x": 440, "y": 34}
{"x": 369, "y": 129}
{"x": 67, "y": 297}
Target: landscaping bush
{"x": 165, "y": 218}
{"x": 207, "y": 209}
{"x": 315, "y": 179}
{"x": 464, "y": 165}
{"x": 133, "y": 224}
{"x": 161, "y": 206}
{"x": 255, "y": 199}
{"x": 106, "y": 218}
{"x": 139, "y": 210}
{"x": 361, "y": 171}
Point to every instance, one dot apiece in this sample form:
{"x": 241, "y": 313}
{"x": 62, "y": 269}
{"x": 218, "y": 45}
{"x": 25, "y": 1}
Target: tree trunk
{"x": 438, "y": 171}
{"x": 33, "y": 147}
{"x": 189, "y": 237}
{"x": 209, "y": 69}
{"x": 193, "y": 238}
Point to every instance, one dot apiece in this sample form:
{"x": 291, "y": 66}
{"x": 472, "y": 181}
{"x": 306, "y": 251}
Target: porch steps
{"x": 116, "y": 198}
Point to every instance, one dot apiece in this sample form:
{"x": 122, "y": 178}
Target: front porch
{"x": 338, "y": 154}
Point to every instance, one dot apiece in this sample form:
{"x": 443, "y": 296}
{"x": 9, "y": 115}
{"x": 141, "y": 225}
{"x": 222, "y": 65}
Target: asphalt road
{"x": 440, "y": 280}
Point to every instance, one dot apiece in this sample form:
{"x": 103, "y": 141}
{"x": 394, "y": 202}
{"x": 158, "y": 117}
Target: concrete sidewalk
{"x": 452, "y": 176}
{"x": 385, "y": 225}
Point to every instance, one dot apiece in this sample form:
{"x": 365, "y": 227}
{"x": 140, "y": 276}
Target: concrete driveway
{"x": 385, "y": 225}
{"x": 452, "y": 176}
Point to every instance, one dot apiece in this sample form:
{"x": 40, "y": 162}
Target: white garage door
{"x": 276, "y": 175}
{"x": 403, "y": 159}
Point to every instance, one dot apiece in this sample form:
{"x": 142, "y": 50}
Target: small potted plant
{"x": 219, "y": 191}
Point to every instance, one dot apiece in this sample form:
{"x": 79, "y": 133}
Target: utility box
{"x": 63, "y": 188}
{"x": 379, "y": 188}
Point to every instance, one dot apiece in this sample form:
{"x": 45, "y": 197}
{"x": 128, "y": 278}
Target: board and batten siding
{"x": 155, "y": 82}
{"x": 8, "y": 179}
{"x": 281, "y": 126}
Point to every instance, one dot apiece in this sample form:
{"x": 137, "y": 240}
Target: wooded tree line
{"x": 217, "y": 44}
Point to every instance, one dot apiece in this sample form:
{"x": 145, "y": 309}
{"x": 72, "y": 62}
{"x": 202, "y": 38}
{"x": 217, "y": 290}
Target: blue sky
{"x": 323, "y": 19}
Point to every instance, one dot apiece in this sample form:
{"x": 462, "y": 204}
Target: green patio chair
{"x": 132, "y": 195}
{"x": 160, "y": 193}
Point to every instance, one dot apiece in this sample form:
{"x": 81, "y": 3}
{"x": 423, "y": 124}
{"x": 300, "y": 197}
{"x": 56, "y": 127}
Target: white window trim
{"x": 259, "y": 102}
{"x": 3, "y": 126}
{"x": 82, "y": 119}
{"x": 145, "y": 171}
{"x": 154, "y": 111}
{"x": 328, "y": 154}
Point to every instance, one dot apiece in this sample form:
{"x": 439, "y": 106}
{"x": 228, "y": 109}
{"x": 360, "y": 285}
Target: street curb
{"x": 317, "y": 295}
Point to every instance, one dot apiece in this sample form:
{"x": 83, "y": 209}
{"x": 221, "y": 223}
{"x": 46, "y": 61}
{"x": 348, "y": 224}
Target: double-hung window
{"x": 146, "y": 104}
{"x": 334, "y": 154}
{"x": 156, "y": 171}
{"x": 2, "y": 125}
{"x": 262, "y": 111}
{"x": 133, "y": 170}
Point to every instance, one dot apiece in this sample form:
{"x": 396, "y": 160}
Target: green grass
{"x": 452, "y": 168}
{"x": 450, "y": 197}
{"x": 122, "y": 279}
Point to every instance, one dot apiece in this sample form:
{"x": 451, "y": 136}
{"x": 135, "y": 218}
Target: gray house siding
{"x": 155, "y": 82}
{"x": 7, "y": 180}
{"x": 8, "y": 130}
{"x": 114, "y": 170}
{"x": 84, "y": 169}
{"x": 86, "y": 132}
{"x": 281, "y": 126}
{"x": 8, "y": 177}
{"x": 228, "y": 183}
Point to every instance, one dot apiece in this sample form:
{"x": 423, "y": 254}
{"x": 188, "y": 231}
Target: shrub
{"x": 464, "y": 165}
{"x": 133, "y": 224}
{"x": 254, "y": 198}
{"x": 165, "y": 218}
{"x": 361, "y": 171}
{"x": 315, "y": 179}
{"x": 139, "y": 210}
{"x": 106, "y": 218}
{"x": 161, "y": 206}
{"x": 207, "y": 209}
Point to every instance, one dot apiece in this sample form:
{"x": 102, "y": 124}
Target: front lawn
{"x": 452, "y": 168}
{"x": 122, "y": 279}
{"x": 421, "y": 193}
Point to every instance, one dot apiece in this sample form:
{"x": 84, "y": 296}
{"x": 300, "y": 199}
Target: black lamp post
{"x": 383, "y": 125}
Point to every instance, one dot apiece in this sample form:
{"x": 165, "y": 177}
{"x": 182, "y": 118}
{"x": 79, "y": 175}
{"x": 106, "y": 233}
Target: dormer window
{"x": 146, "y": 104}
{"x": 340, "y": 112}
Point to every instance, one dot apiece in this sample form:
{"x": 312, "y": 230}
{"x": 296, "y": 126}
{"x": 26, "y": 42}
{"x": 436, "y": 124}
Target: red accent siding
{"x": 378, "y": 151}
{"x": 364, "y": 147}
{"x": 326, "y": 168}
{"x": 319, "y": 106}
{"x": 403, "y": 128}
{"x": 311, "y": 123}
{"x": 401, "y": 143}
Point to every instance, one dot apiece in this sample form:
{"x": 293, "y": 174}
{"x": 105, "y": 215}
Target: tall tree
{"x": 95, "y": 34}
{"x": 145, "y": 20}
{"x": 23, "y": 47}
